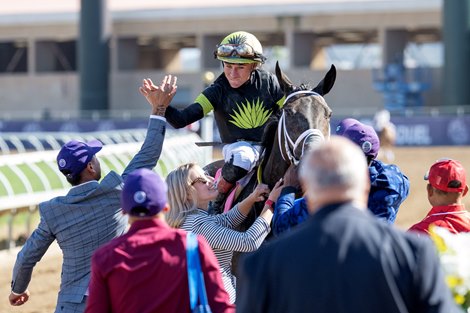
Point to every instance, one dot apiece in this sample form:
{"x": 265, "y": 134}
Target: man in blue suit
{"x": 90, "y": 214}
{"x": 342, "y": 258}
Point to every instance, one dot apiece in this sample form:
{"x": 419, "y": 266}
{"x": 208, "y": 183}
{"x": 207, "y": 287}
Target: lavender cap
{"x": 144, "y": 193}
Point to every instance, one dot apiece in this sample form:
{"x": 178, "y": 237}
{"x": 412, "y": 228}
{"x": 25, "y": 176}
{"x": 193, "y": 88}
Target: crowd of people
{"x": 334, "y": 246}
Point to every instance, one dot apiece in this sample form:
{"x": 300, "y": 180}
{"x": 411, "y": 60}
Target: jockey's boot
{"x": 230, "y": 174}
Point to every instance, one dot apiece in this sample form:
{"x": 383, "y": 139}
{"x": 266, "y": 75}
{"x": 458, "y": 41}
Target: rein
{"x": 282, "y": 134}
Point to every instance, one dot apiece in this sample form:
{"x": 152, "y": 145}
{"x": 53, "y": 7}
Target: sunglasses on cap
{"x": 243, "y": 50}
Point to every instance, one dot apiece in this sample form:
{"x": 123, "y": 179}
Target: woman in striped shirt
{"x": 189, "y": 192}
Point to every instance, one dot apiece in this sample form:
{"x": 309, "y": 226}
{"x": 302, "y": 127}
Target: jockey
{"x": 243, "y": 97}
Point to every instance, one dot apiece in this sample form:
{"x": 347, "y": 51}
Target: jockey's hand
{"x": 18, "y": 299}
{"x": 260, "y": 192}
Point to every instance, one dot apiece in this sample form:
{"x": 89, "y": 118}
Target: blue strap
{"x": 197, "y": 288}
{"x": 191, "y": 251}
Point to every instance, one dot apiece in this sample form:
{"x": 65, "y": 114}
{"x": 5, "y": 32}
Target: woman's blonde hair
{"x": 181, "y": 195}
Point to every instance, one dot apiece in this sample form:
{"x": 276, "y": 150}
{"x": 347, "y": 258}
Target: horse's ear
{"x": 284, "y": 81}
{"x": 327, "y": 82}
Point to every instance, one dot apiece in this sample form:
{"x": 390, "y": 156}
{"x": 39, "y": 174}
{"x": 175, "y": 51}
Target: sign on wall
{"x": 411, "y": 131}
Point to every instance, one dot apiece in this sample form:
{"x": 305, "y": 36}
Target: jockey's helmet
{"x": 240, "y": 47}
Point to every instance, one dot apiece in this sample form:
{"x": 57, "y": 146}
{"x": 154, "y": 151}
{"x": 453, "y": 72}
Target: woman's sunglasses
{"x": 201, "y": 179}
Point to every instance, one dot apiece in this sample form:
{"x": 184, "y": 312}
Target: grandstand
{"x": 149, "y": 38}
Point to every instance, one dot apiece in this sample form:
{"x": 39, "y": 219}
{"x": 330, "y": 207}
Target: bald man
{"x": 342, "y": 259}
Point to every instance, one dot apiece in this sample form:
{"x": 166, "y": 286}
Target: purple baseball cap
{"x": 344, "y": 124}
{"x": 74, "y": 156}
{"x": 144, "y": 193}
{"x": 363, "y": 135}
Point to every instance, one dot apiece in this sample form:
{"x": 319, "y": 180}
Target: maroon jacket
{"x": 145, "y": 271}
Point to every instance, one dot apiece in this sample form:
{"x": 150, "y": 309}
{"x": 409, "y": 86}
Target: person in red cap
{"x": 446, "y": 188}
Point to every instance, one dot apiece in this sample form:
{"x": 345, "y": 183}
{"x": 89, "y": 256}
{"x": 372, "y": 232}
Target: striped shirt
{"x": 219, "y": 231}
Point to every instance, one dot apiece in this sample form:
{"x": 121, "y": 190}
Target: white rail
{"x": 26, "y": 179}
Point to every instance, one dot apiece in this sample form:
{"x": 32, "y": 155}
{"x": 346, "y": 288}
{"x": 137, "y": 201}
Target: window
{"x": 56, "y": 56}
{"x": 13, "y": 57}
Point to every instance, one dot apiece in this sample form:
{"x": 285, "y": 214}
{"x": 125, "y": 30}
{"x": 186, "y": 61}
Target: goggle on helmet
{"x": 240, "y": 47}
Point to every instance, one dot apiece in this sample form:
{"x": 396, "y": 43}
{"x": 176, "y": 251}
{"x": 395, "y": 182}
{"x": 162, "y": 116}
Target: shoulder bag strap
{"x": 197, "y": 287}
{"x": 191, "y": 250}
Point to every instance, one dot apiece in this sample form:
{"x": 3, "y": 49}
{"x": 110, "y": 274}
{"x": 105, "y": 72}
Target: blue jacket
{"x": 288, "y": 212}
{"x": 389, "y": 188}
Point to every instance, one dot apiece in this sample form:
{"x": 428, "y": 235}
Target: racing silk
{"x": 240, "y": 113}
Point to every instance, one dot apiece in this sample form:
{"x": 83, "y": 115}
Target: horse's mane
{"x": 303, "y": 86}
{"x": 269, "y": 133}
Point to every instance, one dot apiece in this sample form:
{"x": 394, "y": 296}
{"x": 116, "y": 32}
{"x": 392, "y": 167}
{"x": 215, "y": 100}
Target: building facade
{"x": 38, "y": 48}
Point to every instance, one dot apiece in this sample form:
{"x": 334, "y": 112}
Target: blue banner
{"x": 429, "y": 131}
{"x": 411, "y": 131}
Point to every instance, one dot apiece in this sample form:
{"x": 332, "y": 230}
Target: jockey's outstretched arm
{"x": 181, "y": 118}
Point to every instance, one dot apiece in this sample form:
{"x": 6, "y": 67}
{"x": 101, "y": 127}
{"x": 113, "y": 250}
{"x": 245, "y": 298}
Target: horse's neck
{"x": 274, "y": 168}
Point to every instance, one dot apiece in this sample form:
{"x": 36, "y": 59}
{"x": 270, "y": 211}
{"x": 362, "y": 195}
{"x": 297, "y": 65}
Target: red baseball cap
{"x": 443, "y": 172}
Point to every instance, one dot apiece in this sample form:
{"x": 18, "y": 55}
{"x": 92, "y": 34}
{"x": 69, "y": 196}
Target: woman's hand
{"x": 260, "y": 193}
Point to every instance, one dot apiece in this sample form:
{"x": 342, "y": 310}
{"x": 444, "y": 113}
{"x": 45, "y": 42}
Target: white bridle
{"x": 289, "y": 145}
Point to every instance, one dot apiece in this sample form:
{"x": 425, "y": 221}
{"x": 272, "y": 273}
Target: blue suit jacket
{"x": 343, "y": 260}
{"x": 87, "y": 217}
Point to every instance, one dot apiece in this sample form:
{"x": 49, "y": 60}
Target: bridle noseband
{"x": 283, "y": 135}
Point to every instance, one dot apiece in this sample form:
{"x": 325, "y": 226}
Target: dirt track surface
{"x": 414, "y": 162}
{"x": 44, "y": 285}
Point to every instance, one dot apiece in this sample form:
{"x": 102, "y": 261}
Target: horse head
{"x": 303, "y": 120}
